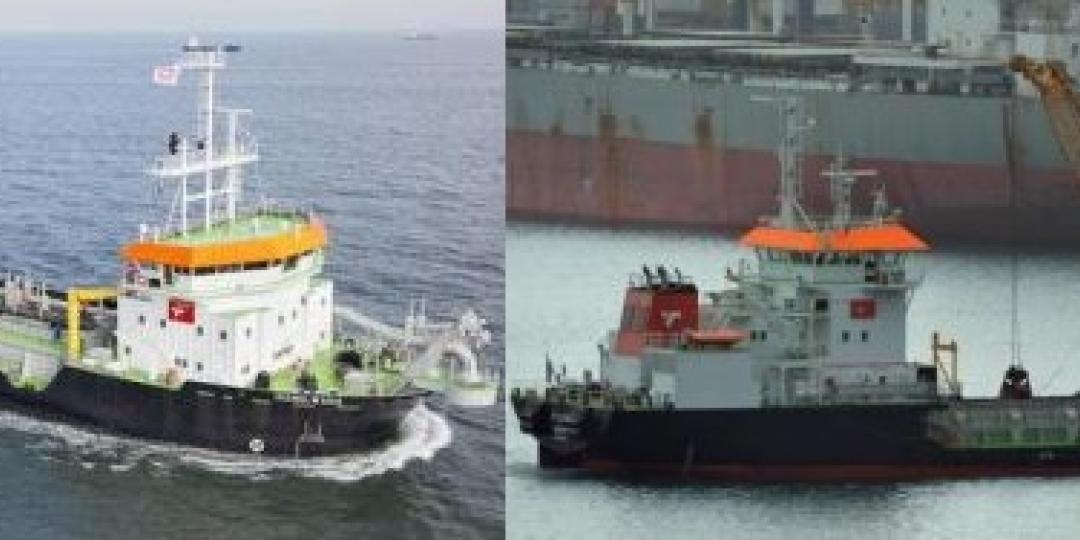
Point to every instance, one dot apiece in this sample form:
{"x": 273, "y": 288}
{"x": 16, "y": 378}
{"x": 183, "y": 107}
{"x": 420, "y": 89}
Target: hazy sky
{"x": 209, "y": 15}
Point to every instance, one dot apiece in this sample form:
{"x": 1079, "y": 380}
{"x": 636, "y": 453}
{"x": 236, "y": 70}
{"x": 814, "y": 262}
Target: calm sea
{"x": 564, "y": 291}
{"x": 399, "y": 144}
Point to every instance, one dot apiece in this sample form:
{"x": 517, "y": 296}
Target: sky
{"x": 247, "y": 15}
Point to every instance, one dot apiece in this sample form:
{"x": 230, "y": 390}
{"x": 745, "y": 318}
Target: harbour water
{"x": 398, "y": 144}
{"x": 564, "y": 292}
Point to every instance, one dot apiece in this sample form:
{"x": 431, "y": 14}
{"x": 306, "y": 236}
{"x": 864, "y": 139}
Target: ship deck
{"x": 20, "y": 344}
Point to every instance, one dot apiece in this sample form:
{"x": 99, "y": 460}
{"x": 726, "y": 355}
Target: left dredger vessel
{"x": 222, "y": 331}
{"x": 795, "y": 373}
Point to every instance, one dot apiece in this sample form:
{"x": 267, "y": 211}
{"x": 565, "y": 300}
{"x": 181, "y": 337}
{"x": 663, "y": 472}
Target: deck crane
{"x": 1060, "y": 100}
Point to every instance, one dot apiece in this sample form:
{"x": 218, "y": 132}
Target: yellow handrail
{"x": 76, "y": 297}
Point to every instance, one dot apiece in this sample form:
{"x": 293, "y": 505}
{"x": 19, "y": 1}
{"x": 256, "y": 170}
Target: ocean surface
{"x": 564, "y": 292}
{"x": 398, "y": 144}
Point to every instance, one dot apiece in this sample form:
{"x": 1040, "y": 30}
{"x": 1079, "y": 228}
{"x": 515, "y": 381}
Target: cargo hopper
{"x": 659, "y": 130}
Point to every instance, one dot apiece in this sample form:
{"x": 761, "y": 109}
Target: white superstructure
{"x": 818, "y": 317}
{"x": 219, "y": 294}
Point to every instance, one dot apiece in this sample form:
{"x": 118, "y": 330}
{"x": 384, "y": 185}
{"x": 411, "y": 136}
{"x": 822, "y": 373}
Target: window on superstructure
{"x": 198, "y": 366}
{"x": 821, "y": 305}
{"x": 161, "y": 323}
{"x": 142, "y": 320}
{"x": 789, "y": 304}
{"x": 865, "y": 335}
{"x": 845, "y": 336}
{"x": 127, "y": 350}
{"x": 224, "y": 335}
{"x": 247, "y": 332}
{"x": 281, "y": 320}
{"x": 199, "y": 331}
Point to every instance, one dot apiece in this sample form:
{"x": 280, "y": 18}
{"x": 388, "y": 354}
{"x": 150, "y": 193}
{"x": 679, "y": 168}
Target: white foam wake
{"x": 424, "y": 433}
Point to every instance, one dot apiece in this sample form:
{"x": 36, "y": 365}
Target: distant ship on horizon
{"x": 421, "y": 36}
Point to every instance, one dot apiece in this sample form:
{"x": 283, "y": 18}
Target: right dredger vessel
{"x": 796, "y": 372}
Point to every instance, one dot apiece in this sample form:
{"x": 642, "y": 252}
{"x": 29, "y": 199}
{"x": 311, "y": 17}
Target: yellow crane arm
{"x": 76, "y": 298}
{"x": 1060, "y": 100}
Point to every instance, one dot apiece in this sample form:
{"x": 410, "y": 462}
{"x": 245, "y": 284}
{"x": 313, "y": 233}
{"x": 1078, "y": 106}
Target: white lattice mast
{"x": 789, "y": 154}
{"x": 219, "y": 165}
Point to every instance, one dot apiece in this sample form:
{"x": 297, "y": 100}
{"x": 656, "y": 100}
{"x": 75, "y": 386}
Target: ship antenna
{"x": 842, "y": 181}
{"x": 789, "y": 153}
{"x": 203, "y": 156}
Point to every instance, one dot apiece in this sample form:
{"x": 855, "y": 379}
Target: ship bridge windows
{"x": 821, "y": 305}
{"x": 289, "y": 264}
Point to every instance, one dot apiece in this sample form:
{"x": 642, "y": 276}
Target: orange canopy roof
{"x": 884, "y": 237}
{"x": 309, "y": 236}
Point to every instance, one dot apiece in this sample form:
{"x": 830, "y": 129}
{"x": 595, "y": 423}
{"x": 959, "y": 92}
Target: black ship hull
{"x": 218, "y": 417}
{"x": 840, "y": 443}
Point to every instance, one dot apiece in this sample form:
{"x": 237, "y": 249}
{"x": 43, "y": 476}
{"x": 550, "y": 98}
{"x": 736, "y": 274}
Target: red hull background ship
{"x": 611, "y": 125}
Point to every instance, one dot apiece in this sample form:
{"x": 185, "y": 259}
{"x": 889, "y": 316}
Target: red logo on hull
{"x": 182, "y": 311}
{"x": 863, "y": 308}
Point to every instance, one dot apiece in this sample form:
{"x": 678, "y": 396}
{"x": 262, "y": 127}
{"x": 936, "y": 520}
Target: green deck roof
{"x": 244, "y": 228}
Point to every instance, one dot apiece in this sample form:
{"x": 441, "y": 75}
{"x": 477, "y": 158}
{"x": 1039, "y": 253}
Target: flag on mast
{"x": 168, "y": 75}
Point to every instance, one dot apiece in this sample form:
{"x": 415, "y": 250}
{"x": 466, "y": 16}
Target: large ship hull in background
{"x": 668, "y": 148}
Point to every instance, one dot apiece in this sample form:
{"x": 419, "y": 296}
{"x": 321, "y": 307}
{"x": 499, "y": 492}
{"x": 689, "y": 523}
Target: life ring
{"x": 257, "y": 445}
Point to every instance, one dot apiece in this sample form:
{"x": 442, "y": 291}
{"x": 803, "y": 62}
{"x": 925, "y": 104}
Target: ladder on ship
{"x": 1059, "y": 99}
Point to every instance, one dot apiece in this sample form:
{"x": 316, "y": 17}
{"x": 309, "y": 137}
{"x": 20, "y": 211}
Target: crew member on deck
{"x": 174, "y": 143}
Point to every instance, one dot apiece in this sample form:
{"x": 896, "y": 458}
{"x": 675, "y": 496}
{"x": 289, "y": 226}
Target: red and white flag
{"x": 167, "y": 75}
{"x": 181, "y": 310}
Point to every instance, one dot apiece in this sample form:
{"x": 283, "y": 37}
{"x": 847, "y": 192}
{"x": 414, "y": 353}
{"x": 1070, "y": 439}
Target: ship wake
{"x": 424, "y": 433}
